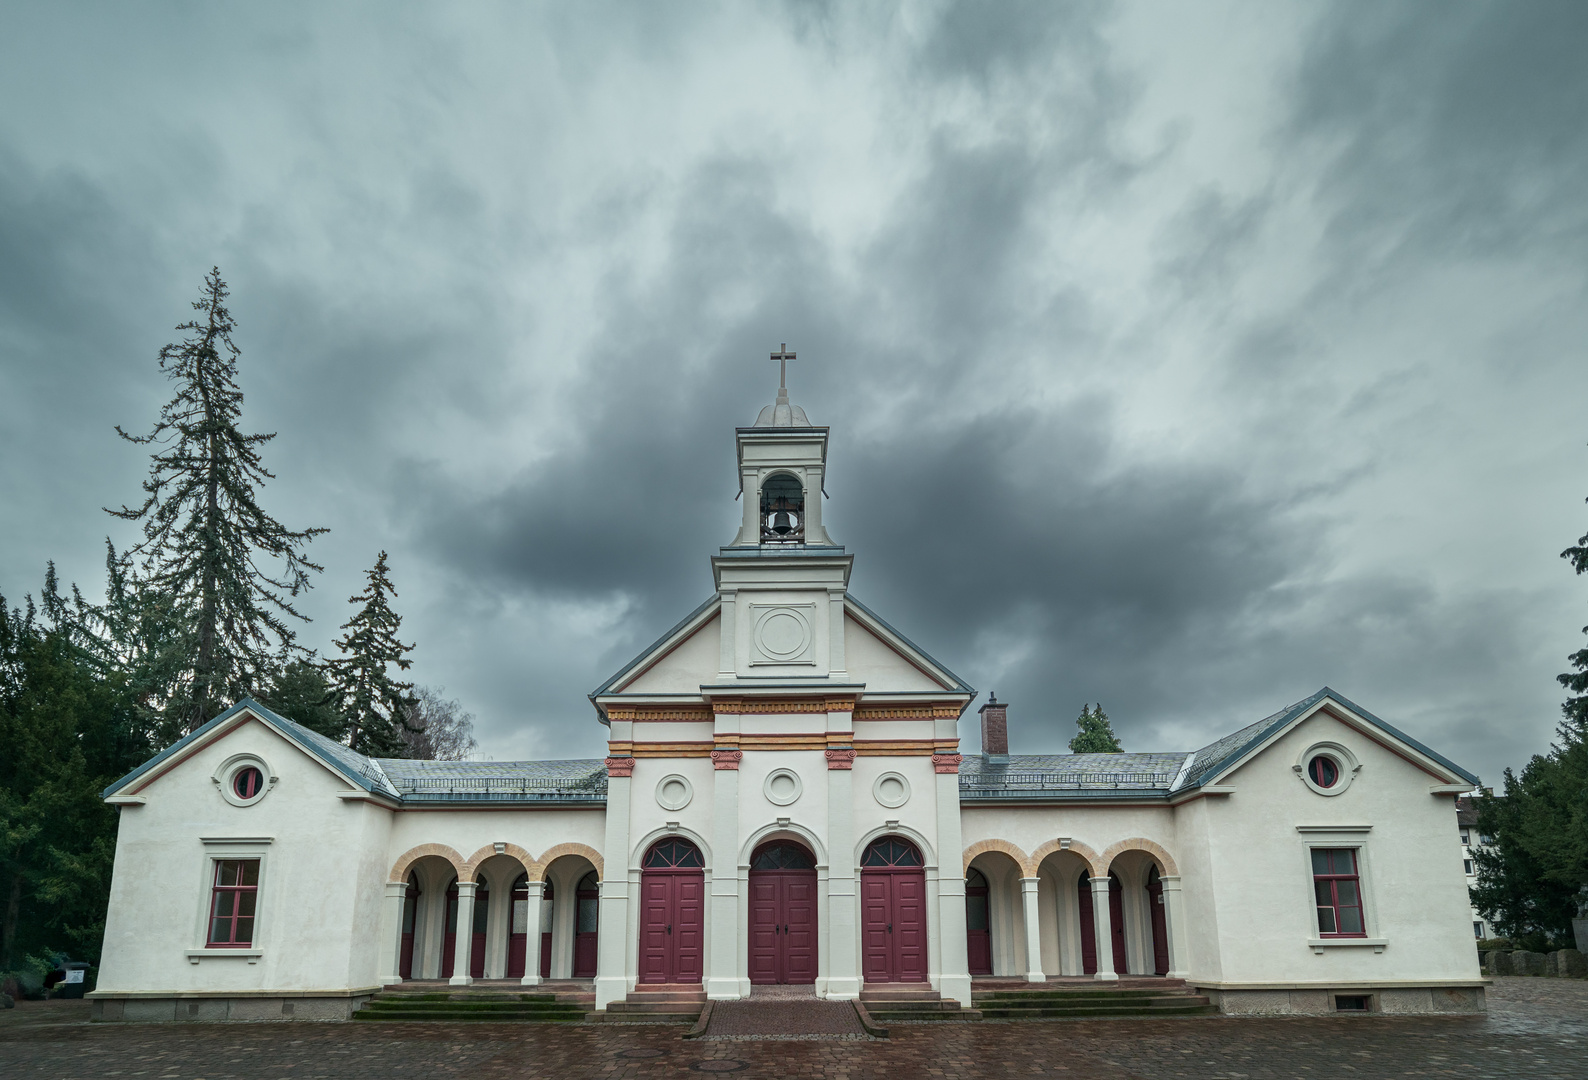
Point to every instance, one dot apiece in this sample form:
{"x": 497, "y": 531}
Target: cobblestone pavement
{"x": 769, "y": 1017}
{"x": 1535, "y": 1028}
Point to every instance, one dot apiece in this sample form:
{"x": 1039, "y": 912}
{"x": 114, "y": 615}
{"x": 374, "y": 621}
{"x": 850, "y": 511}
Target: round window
{"x": 1326, "y": 768}
{"x": 1324, "y": 771}
{"x": 248, "y": 782}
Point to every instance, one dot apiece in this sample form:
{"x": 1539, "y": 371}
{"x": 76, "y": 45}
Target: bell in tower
{"x": 782, "y": 510}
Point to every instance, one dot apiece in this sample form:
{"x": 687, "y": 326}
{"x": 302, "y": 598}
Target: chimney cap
{"x": 993, "y": 703}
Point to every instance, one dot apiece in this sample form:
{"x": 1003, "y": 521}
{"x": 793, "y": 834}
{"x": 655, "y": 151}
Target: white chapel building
{"x": 784, "y": 800}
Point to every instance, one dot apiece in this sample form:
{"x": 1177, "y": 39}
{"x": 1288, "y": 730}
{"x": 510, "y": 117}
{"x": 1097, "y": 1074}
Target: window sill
{"x": 1319, "y": 944}
{"x": 251, "y": 955}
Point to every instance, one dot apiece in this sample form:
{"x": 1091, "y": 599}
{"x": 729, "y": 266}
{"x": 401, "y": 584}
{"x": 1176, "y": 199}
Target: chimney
{"x": 995, "y": 730}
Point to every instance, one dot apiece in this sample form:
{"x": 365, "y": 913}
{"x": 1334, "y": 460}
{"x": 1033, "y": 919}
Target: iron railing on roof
{"x": 1043, "y": 781}
{"x": 503, "y": 788}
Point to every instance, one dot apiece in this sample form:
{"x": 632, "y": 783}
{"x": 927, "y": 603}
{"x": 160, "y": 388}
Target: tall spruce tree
{"x": 371, "y": 701}
{"x": 203, "y": 529}
{"x": 1094, "y": 734}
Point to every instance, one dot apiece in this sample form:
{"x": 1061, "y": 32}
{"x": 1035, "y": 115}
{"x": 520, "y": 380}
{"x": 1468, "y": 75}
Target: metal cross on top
{"x": 782, "y": 356}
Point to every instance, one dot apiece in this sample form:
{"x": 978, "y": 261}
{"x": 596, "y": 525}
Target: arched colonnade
{"x": 1065, "y": 909}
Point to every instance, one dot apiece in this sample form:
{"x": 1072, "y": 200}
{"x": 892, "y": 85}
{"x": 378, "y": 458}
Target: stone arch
{"x": 1087, "y": 855}
{"x": 1137, "y": 843}
{"x": 537, "y": 872}
{"x": 638, "y": 854}
{"x": 489, "y": 850}
{"x": 928, "y": 853}
{"x": 982, "y": 847}
{"x": 405, "y": 861}
{"x": 792, "y": 829}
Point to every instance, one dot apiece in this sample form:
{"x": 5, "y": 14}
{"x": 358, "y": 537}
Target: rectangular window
{"x": 1467, "y": 865}
{"x": 232, "y": 904}
{"x": 1465, "y": 837}
{"x": 1477, "y": 929}
{"x": 1338, "y": 889}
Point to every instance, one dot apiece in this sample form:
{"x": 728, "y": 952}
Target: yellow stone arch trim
{"x": 557, "y": 852}
{"x": 405, "y": 861}
{"x": 1083, "y": 850}
{"x": 521, "y": 854}
{"x": 982, "y": 847}
{"x": 1136, "y": 843}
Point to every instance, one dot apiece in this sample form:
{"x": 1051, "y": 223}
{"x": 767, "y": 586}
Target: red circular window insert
{"x": 248, "y": 782}
{"x": 1325, "y": 771}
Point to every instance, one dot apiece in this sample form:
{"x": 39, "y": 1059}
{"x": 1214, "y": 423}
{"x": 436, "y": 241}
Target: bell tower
{"x": 782, "y": 580}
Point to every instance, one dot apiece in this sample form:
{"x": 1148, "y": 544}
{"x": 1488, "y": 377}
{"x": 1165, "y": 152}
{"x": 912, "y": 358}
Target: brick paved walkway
{"x": 1536, "y": 1028}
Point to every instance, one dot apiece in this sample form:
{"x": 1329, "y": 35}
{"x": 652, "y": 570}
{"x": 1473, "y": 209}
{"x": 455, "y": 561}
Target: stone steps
{"x": 656, "y": 1005}
{"x": 474, "y": 1006}
{"x": 911, "y": 1001}
{"x": 1090, "y": 1002}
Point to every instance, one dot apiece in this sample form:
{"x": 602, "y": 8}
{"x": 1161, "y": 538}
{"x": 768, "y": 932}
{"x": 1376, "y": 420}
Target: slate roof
{"x": 576, "y": 780}
{"x": 1094, "y": 776}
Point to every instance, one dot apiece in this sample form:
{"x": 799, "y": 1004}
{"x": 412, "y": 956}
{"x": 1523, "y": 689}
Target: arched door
{"x": 449, "y": 940}
{"x": 893, "y": 912}
{"x": 782, "y": 914}
{"x": 482, "y": 907}
{"x": 405, "y": 963}
{"x": 1160, "y": 925}
{"x": 672, "y": 913}
{"x": 978, "y": 938}
{"x": 586, "y": 927}
{"x": 518, "y": 934}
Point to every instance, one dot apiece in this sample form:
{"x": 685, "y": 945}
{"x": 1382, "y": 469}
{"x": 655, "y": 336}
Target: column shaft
{"x": 464, "y": 945}
{"x": 1174, "y": 921}
{"x": 1102, "y": 924}
{"x": 1030, "y": 909}
{"x": 537, "y": 892}
{"x": 722, "y": 980}
{"x": 392, "y": 917}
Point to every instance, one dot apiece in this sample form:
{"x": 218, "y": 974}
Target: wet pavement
{"x": 1535, "y": 1028}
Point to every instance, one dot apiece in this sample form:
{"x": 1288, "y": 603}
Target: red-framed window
{"x": 1338, "y": 888}
{"x": 233, "y": 902}
{"x": 247, "y": 782}
{"x": 1324, "y": 770}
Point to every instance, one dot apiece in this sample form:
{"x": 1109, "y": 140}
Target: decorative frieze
{"x": 918, "y": 710}
{"x": 781, "y": 706}
{"x": 656, "y": 713}
{"x": 840, "y": 757}
{"x": 726, "y": 759}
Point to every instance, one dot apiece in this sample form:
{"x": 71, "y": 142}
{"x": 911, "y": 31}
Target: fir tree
{"x": 371, "y": 701}
{"x": 1094, "y": 735}
{"x": 299, "y": 691}
{"x": 203, "y": 528}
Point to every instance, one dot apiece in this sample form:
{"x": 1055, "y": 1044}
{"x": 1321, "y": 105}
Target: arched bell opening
{"x": 782, "y": 509}
{"x": 782, "y": 924}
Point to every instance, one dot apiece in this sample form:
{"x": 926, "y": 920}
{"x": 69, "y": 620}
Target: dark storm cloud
{"x": 1108, "y": 424}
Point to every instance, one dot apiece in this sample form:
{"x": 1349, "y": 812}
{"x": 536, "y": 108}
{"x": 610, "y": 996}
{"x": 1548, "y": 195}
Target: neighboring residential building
{"x": 1467, "y": 826}
{"x": 784, "y": 800}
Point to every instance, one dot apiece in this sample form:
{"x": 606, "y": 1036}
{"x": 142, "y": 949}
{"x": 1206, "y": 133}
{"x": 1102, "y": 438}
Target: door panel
{"x": 876, "y": 958}
{"x": 1083, "y": 898}
{"x": 690, "y": 929}
{"x": 655, "y": 916}
{"x": 799, "y": 920}
{"x": 765, "y": 916}
{"x": 545, "y": 954}
{"x": 1160, "y": 929}
{"x": 909, "y": 926}
{"x": 1116, "y": 922}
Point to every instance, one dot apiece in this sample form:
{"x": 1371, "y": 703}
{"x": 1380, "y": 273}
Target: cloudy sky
{"x": 1182, "y": 357}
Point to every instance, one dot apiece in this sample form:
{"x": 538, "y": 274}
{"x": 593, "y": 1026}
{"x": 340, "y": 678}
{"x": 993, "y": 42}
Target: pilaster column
{"x": 1174, "y": 921}
{"x": 392, "y": 931}
{"x": 1029, "y": 907}
{"x": 1103, "y": 930}
{"x": 537, "y": 893}
{"x": 953, "y": 960}
{"x": 463, "y": 946}
{"x": 612, "y": 955}
{"x": 843, "y": 904}
{"x": 722, "y": 980}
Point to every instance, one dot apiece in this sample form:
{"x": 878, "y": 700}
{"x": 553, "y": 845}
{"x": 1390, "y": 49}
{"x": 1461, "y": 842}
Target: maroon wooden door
{"x": 405, "y": 961}
{"x": 1160, "y": 927}
{"x": 978, "y": 938}
{"x": 893, "y": 912}
{"x": 1116, "y": 923}
{"x": 782, "y": 915}
{"x": 672, "y": 913}
{"x": 449, "y": 940}
{"x": 518, "y": 933}
{"x": 482, "y": 905}
{"x": 1083, "y": 901}
{"x": 587, "y": 925}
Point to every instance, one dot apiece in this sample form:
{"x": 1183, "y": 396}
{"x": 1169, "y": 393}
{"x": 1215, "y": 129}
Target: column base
{"x": 1178, "y": 975}
{"x": 842, "y": 989}
{"x": 1036, "y": 977}
{"x": 461, "y": 980}
{"x": 529, "y": 980}
{"x": 610, "y": 988}
{"x": 724, "y": 989}
{"x": 956, "y": 987}
{"x": 1107, "y": 976}
{"x": 390, "y": 980}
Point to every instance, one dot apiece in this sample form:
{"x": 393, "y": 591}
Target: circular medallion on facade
{"x": 674, "y": 792}
{"x": 782, "y": 787}
{"x": 891, "y": 790}
{"x": 782, "y": 634}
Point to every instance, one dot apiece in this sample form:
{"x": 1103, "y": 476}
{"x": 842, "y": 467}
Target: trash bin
{"x": 73, "y": 981}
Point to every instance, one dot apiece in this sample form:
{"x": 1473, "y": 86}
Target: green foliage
{"x": 1094, "y": 735}
{"x": 299, "y": 691}
{"x": 204, "y": 533}
{"x": 69, "y": 727}
{"x": 366, "y": 694}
